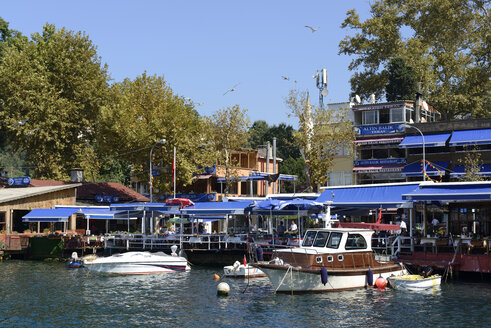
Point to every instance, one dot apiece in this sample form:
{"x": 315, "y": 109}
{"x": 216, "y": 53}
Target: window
{"x": 384, "y": 116}
{"x": 355, "y": 241}
{"x": 339, "y": 178}
{"x": 309, "y": 238}
{"x": 370, "y": 117}
{"x": 335, "y": 240}
{"x": 321, "y": 239}
{"x": 396, "y": 115}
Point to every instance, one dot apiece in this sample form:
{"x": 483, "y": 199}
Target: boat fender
{"x": 380, "y": 283}
{"x": 259, "y": 253}
{"x": 370, "y": 277}
{"x": 324, "y": 275}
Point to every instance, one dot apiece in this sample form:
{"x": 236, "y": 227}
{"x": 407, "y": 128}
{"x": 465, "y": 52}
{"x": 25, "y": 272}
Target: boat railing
{"x": 400, "y": 243}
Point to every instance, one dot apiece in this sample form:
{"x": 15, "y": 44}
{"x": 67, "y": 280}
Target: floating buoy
{"x": 370, "y": 277}
{"x": 217, "y": 277}
{"x": 245, "y": 261}
{"x": 223, "y": 289}
{"x": 259, "y": 253}
{"x": 324, "y": 275}
{"x": 381, "y": 282}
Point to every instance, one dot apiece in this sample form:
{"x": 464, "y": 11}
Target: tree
{"x": 256, "y": 134}
{"x": 55, "y": 85}
{"x": 228, "y": 132}
{"x": 321, "y": 134}
{"x": 446, "y": 42}
{"x": 402, "y": 81}
{"x": 144, "y": 111}
{"x": 293, "y": 166}
{"x": 472, "y": 165}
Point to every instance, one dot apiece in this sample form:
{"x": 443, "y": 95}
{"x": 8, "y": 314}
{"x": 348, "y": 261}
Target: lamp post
{"x": 424, "y": 159}
{"x": 161, "y": 141}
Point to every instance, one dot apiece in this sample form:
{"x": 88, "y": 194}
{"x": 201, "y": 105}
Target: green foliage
{"x": 446, "y": 42}
{"x": 294, "y": 166}
{"x": 58, "y": 83}
{"x": 144, "y": 111}
{"x": 260, "y": 133}
{"x": 228, "y": 132}
{"x": 321, "y": 134}
{"x": 472, "y": 164}
{"x": 257, "y": 134}
{"x": 402, "y": 81}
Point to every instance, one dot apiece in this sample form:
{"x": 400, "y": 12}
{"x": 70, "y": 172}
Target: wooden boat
{"x": 329, "y": 259}
{"x": 415, "y": 282}
{"x": 239, "y": 270}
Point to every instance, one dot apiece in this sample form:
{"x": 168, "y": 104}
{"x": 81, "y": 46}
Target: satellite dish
{"x": 358, "y": 99}
{"x": 324, "y": 92}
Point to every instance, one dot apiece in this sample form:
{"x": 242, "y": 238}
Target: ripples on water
{"x": 39, "y": 294}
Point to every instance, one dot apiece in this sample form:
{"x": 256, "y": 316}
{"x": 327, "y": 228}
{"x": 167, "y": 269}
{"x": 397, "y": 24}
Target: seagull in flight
{"x": 313, "y": 29}
{"x": 21, "y": 122}
{"x": 286, "y": 78}
{"x": 140, "y": 118}
{"x": 232, "y": 89}
{"x": 31, "y": 132}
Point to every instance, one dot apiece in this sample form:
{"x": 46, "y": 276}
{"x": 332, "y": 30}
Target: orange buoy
{"x": 217, "y": 277}
{"x": 380, "y": 283}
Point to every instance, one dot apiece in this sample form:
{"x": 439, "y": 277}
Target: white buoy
{"x": 223, "y": 289}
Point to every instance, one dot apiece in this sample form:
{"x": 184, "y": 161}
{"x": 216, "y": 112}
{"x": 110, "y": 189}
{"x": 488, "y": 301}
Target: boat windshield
{"x": 335, "y": 240}
{"x": 355, "y": 241}
{"x": 321, "y": 239}
{"x": 309, "y": 238}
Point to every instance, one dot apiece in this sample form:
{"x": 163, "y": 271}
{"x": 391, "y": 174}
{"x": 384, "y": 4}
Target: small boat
{"x": 245, "y": 270}
{"x": 415, "y": 282}
{"x": 329, "y": 259}
{"x": 137, "y": 263}
{"x": 74, "y": 262}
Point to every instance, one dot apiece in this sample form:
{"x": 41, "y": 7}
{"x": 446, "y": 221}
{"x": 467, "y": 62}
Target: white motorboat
{"x": 415, "y": 282}
{"x": 329, "y": 259}
{"x": 137, "y": 263}
{"x": 239, "y": 270}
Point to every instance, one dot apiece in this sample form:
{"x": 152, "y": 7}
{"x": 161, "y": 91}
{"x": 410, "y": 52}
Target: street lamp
{"x": 161, "y": 141}
{"x": 424, "y": 159}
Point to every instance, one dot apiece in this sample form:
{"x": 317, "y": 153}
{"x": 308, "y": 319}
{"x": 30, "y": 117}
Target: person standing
{"x": 293, "y": 226}
{"x": 281, "y": 229}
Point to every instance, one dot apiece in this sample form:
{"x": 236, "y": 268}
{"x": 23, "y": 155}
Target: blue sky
{"x": 204, "y": 48}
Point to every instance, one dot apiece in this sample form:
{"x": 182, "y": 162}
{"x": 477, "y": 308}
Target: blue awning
{"x": 432, "y": 169}
{"x": 431, "y": 140}
{"x": 49, "y": 215}
{"x": 453, "y": 191}
{"x": 235, "y": 179}
{"x": 459, "y": 171}
{"x": 216, "y": 208}
{"x": 142, "y": 207}
{"x": 470, "y": 137}
{"x": 372, "y": 196}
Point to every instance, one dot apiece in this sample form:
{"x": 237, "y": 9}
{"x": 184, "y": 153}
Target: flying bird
{"x": 21, "y": 122}
{"x": 286, "y": 78}
{"x": 31, "y": 132}
{"x": 140, "y": 118}
{"x": 313, "y": 29}
{"x": 232, "y": 89}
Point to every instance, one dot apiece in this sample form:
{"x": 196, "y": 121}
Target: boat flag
{"x": 245, "y": 262}
{"x": 379, "y": 218}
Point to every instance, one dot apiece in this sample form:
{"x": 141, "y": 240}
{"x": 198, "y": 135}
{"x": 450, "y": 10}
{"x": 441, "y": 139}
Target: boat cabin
{"x": 337, "y": 240}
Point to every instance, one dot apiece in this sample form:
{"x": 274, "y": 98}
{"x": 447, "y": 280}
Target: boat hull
{"x": 415, "y": 282}
{"x": 138, "y": 263}
{"x": 287, "y": 279}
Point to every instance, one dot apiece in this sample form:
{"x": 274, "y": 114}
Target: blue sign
{"x": 193, "y": 197}
{"x": 19, "y": 181}
{"x": 106, "y": 198}
{"x": 379, "y": 129}
{"x": 380, "y": 161}
{"x": 155, "y": 173}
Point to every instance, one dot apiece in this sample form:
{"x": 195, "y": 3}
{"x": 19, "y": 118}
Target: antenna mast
{"x": 321, "y": 81}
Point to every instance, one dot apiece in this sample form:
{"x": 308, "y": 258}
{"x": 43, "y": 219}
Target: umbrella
{"x": 267, "y": 204}
{"x": 301, "y": 204}
{"x": 182, "y": 202}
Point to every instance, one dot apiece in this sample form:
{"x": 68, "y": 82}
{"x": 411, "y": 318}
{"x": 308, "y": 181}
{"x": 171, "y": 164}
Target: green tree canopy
{"x": 402, "y": 81}
{"x": 55, "y": 85}
{"x": 145, "y": 111}
{"x": 446, "y": 42}
{"x": 228, "y": 131}
{"x": 321, "y": 135}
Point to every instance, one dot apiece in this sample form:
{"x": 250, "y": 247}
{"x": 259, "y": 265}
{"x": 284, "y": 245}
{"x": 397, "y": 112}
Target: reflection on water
{"x": 38, "y": 294}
